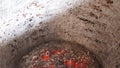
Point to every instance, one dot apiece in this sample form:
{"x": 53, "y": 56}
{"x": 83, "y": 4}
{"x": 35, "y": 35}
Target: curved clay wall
{"x": 95, "y": 24}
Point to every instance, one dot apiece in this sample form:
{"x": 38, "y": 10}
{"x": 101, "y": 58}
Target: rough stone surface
{"x": 93, "y": 23}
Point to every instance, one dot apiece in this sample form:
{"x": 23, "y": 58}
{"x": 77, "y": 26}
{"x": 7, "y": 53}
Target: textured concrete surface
{"x": 93, "y": 23}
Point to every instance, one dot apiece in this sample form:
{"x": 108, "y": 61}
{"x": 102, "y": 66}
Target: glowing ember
{"x": 58, "y": 56}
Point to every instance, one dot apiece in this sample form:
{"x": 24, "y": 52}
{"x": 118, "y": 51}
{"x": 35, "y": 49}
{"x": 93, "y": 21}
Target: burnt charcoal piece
{"x": 58, "y": 55}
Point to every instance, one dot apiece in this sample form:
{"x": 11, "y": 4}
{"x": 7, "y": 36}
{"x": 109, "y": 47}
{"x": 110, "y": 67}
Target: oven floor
{"x": 58, "y": 55}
